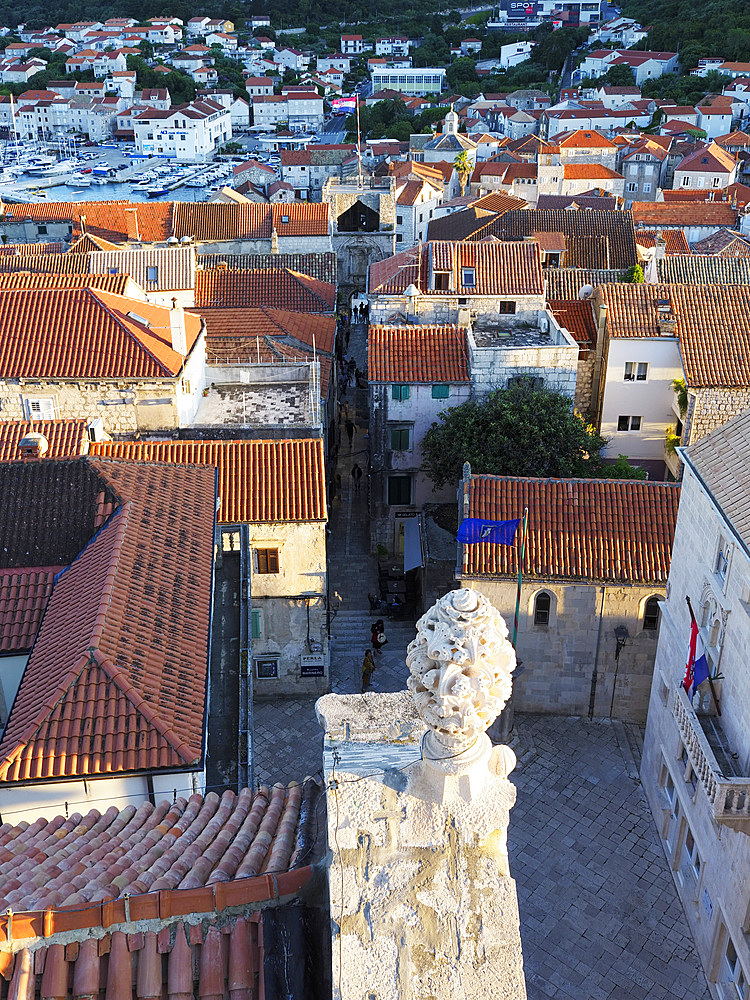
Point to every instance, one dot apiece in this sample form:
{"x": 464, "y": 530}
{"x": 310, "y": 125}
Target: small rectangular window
{"x": 507, "y": 308}
{"x": 400, "y": 438}
{"x": 267, "y": 560}
{"x": 40, "y": 409}
{"x": 41, "y": 230}
{"x": 468, "y": 276}
{"x": 399, "y": 490}
{"x": 399, "y": 392}
{"x": 152, "y": 274}
{"x": 626, "y": 423}
{"x": 636, "y": 371}
{"x": 722, "y": 560}
{"x": 440, "y": 391}
{"x": 255, "y": 624}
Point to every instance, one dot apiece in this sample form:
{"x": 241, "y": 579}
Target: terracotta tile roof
{"x": 567, "y": 282}
{"x": 417, "y": 354}
{"x": 23, "y": 598}
{"x": 579, "y": 529}
{"x": 102, "y": 692}
{"x": 214, "y": 221}
{"x": 499, "y": 203}
{"x": 323, "y": 266}
{"x": 711, "y": 158}
{"x": 461, "y": 225}
{"x": 258, "y": 481}
{"x": 86, "y": 333}
{"x": 675, "y": 240}
{"x": 117, "y": 284}
{"x": 577, "y": 316}
{"x": 65, "y": 438}
{"x": 58, "y": 263}
{"x": 683, "y": 214}
{"x": 20, "y": 249}
{"x": 105, "y": 219}
{"x": 245, "y": 324}
{"x": 724, "y": 243}
{"x": 589, "y": 171}
{"x": 174, "y": 267}
{"x": 88, "y": 243}
{"x": 582, "y": 139}
{"x": 712, "y": 326}
{"x": 603, "y": 203}
{"x": 693, "y": 269}
{"x": 143, "y": 852}
{"x": 598, "y": 238}
{"x": 512, "y": 268}
{"x": 273, "y": 289}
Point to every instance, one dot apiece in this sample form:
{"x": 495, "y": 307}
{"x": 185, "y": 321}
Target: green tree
{"x": 519, "y": 431}
{"x": 618, "y": 76}
{"x": 634, "y": 275}
{"x": 462, "y": 166}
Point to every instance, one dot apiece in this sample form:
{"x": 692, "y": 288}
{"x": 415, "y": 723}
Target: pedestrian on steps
{"x": 378, "y": 636}
{"x": 350, "y": 429}
{"x": 356, "y": 476}
{"x": 368, "y": 668}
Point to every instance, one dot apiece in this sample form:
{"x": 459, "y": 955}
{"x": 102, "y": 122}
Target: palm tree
{"x": 462, "y": 166}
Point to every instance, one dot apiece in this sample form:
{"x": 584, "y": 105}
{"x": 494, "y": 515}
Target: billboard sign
{"x": 520, "y": 10}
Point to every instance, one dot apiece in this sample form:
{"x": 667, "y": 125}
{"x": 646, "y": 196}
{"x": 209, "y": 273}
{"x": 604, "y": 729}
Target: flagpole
{"x": 710, "y": 680}
{"x": 520, "y": 574}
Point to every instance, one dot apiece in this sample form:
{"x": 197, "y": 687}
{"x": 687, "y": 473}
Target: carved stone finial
{"x": 460, "y": 667}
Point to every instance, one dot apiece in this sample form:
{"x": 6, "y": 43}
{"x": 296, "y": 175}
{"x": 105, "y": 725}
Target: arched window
{"x": 651, "y": 614}
{"x": 542, "y": 606}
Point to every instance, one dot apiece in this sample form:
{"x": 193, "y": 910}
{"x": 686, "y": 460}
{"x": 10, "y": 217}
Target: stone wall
{"x": 283, "y": 599}
{"x": 711, "y": 408}
{"x": 582, "y": 401}
{"x": 559, "y": 658}
{"x": 492, "y": 368}
{"x": 715, "y": 894}
{"x": 444, "y": 308}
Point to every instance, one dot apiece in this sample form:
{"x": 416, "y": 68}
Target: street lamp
{"x": 621, "y": 639}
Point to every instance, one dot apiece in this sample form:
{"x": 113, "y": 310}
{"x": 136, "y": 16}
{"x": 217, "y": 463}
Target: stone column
{"x": 422, "y": 903}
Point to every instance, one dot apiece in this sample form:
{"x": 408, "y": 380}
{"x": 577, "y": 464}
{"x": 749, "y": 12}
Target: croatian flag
{"x": 473, "y": 530}
{"x": 344, "y": 104}
{"x": 696, "y": 670}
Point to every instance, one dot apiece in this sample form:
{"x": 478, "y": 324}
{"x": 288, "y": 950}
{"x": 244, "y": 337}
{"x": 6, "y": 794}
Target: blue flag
{"x": 473, "y": 530}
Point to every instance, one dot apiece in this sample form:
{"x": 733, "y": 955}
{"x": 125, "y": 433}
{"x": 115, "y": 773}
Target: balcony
{"x": 727, "y": 793}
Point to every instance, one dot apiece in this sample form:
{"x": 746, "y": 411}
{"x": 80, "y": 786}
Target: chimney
{"x": 274, "y": 241}
{"x": 661, "y": 246}
{"x": 131, "y": 224}
{"x": 33, "y": 445}
{"x": 177, "y": 329}
{"x": 82, "y": 223}
{"x": 666, "y": 320}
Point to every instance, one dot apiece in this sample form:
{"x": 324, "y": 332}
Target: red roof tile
{"x": 23, "y": 598}
{"x": 417, "y": 354}
{"x": 279, "y": 288}
{"x": 670, "y": 213}
{"x": 103, "y": 692}
{"x": 117, "y": 284}
{"x": 589, "y": 172}
{"x": 86, "y": 333}
{"x": 65, "y": 438}
{"x": 577, "y": 316}
{"x": 591, "y": 529}
{"x": 512, "y": 268}
{"x": 675, "y": 240}
{"x": 259, "y": 481}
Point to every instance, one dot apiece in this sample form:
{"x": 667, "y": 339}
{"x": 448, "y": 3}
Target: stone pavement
{"x": 600, "y": 916}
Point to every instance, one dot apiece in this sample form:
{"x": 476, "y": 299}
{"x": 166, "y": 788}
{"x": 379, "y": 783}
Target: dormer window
{"x": 285, "y": 218}
{"x": 441, "y": 281}
{"x": 468, "y": 277}
{"x": 138, "y": 319}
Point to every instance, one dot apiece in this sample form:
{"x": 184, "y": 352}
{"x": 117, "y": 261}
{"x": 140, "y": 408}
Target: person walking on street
{"x": 356, "y": 476}
{"x": 378, "y": 635}
{"x": 368, "y": 668}
{"x": 350, "y": 429}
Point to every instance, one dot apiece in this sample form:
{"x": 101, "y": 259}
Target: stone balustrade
{"x": 729, "y": 797}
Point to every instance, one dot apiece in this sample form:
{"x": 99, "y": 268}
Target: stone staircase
{"x": 350, "y": 637}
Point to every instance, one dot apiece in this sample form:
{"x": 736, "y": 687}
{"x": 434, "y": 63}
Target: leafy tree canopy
{"x": 518, "y": 431}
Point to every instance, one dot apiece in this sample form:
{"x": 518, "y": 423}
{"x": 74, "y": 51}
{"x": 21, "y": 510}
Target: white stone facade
{"x": 703, "y": 819}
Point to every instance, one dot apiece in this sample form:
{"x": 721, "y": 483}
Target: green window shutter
{"x": 440, "y": 391}
{"x": 400, "y": 392}
{"x": 399, "y": 439}
{"x": 255, "y": 624}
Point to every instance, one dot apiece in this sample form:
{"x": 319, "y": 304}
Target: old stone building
{"x": 595, "y": 567}
{"x": 87, "y": 353}
{"x": 272, "y": 516}
{"x": 696, "y": 757}
{"x": 363, "y": 226}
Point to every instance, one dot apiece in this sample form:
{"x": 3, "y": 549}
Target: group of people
{"x": 361, "y": 312}
{"x": 378, "y": 639}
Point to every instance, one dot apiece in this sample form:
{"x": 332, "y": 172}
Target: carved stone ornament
{"x": 460, "y": 667}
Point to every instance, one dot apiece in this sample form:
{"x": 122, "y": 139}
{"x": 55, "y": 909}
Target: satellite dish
{"x": 586, "y": 292}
